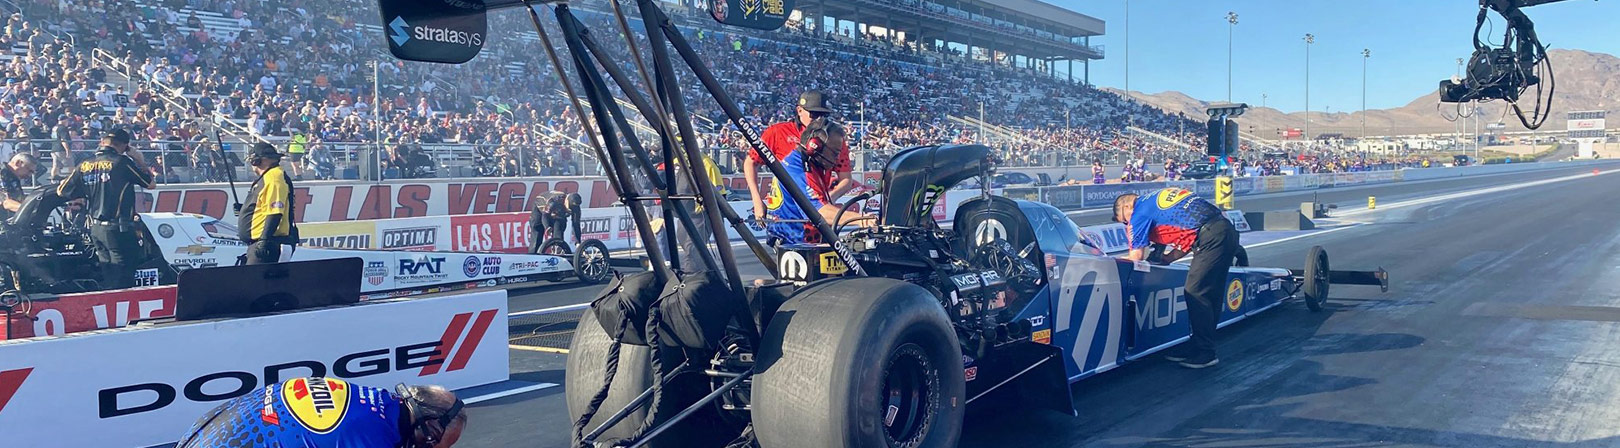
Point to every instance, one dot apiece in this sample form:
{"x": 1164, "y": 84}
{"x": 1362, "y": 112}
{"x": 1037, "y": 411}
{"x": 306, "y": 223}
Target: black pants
{"x": 555, "y": 227}
{"x": 264, "y": 252}
{"x": 1213, "y": 253}
{"x": 118, "y": 251}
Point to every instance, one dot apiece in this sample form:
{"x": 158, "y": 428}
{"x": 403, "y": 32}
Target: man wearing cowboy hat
{"x": 266, "y": 221}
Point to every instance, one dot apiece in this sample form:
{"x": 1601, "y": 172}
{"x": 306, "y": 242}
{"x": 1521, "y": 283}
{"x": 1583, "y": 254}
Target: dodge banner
{"x": 145, "y": 386}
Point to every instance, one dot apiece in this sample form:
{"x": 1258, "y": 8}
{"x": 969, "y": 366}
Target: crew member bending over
{"x": 20, "y": 167}
{"x": 331, "y": 413}
{"x": 1185, "y": 223}
{"x": 823, "y": 180}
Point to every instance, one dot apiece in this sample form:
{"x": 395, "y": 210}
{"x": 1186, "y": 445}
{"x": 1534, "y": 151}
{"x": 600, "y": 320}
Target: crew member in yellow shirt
{"x": 266, "y": 221}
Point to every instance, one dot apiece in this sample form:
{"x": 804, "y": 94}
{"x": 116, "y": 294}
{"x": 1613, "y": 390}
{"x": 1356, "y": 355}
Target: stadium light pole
{"x": 1231, "y": 20}
{"x": 1130, "y": 117}
{"x": 1365, "y": 54}
{"x": 1309, "y": 39}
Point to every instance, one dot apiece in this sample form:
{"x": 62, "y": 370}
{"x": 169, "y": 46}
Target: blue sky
{"x": 1182, "y": 45}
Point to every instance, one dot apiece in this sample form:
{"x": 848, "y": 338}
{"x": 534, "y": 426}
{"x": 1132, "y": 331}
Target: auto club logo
{"x": 470, "y": 267}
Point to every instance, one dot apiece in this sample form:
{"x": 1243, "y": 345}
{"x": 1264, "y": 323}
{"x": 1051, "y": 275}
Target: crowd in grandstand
{"x": 300, "y": 74}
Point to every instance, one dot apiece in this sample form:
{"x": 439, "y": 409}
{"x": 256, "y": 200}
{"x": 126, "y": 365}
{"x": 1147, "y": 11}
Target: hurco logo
{"x": 452, "y": 352}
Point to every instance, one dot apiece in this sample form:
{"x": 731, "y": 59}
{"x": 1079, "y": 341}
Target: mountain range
{"x": 1585, "y": 81}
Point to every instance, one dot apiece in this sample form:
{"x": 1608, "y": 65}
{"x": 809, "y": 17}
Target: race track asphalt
{"x": 1499, "y": 331}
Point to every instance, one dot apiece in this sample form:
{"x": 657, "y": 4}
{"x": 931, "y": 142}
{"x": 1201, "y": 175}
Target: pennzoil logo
{"x": 1169, "y": 197}
{"x": 1234, "y": 295}
{"x": 317, "y": 403}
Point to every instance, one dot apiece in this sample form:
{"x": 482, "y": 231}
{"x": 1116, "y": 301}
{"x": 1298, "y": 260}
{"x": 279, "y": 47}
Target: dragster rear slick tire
{"x": 1315, "y": 284}
{"x": 859, "y": 362}
{"x": 586, "y": 356}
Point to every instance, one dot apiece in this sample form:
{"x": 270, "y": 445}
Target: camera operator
{"x": 108, "y": 182}
{"x": 20, "y": 167}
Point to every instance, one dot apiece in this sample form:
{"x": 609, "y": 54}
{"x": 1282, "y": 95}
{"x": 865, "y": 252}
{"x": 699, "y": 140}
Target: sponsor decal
{"x": 793, "y": 266}
{"x": 376, "y": 272}
{"x": 470, "y": 267}
{"x": 1234, "y": 295}
{"x": 964, "y": 281}
{"x": 410, "y": 238}
{"x": 195, "y": 263}
{"x": 598, "y": 228}
{"x": 525, "y": 266}
{"x": 1037, "y": 321}
{"x": 194, "y": 250}
{"x": 989, "y": 230}
{"x": 268, "y": 413}
{"x": 831, "y": 265}
{"x": 421, "y": 270}
{"x": 317, "y": 403}
{"x": 339, "y": 241}
{"x": 970, "y": 373}
{"x": 146, "y": 277}
{"x": 518, "y": 279}
{"x": 1161, "y": 308}
{"x": 492, "y": 266}
{"x": 1277, "y": 284}
{"x": 1042, "y": 336}
{"x": 1169, "y": 197}
{"x": 552, "y": 261}
{"x": 452, "y": 352}
{"x": 165, "y": 230}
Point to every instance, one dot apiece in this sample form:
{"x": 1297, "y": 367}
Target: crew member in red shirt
{"x": 821, "y": 170}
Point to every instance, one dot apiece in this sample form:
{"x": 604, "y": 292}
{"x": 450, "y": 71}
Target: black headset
{"x": 425, "y": 436}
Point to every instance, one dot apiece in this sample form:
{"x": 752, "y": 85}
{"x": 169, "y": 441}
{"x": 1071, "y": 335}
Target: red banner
{"x": 505, "y": 232}
{"x": 73, "y": 313}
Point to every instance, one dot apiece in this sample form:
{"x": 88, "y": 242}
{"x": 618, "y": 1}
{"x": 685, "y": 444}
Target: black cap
{"x": 814, "y": 101}
{"x": 117, "y": 136}
{"x": 263, "y": 150}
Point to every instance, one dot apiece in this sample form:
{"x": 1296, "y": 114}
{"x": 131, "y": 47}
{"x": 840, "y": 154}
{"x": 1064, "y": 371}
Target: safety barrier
{"x": 143, "y": 386}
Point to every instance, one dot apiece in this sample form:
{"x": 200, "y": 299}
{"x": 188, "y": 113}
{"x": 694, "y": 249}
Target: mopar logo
{"x": 433, "y": 265}
{"x": 1160, "y": 309}
{"x": 794, "y": 267}
{"x": 965, "y": 281}
{"x": 989, "y": 230}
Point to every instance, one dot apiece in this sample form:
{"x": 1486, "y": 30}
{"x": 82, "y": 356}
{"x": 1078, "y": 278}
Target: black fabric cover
{"x": 627, "y": 295}
{"x": 695, "y": 311}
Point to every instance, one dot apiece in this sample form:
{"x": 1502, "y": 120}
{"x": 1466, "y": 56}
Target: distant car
{"x": 1462, "y": 160}
{"x": 1013, "y": 179}
{"x": 1200, "y": 171}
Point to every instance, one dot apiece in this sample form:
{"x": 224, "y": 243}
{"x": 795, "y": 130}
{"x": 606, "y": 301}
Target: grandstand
{"x": 954, "y": 70}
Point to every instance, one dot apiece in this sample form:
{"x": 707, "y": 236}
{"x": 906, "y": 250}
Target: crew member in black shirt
{"x": 21, "y": 166}
{"x": 107, "y": 182}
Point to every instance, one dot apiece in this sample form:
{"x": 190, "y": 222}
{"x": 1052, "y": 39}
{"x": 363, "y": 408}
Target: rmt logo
{"x": 413, "y": 267}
